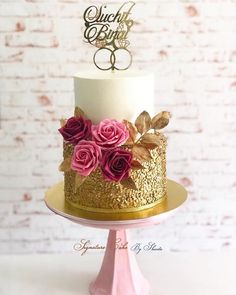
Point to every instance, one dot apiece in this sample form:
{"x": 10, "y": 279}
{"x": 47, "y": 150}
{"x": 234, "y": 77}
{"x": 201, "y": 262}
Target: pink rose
{"x": 86, "y": 157}
{"x": 76, "y": 129}
{"x": 109, "y": 134}
{"x": 116, "y": 164}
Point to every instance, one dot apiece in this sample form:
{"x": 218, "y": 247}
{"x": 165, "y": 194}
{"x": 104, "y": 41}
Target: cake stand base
{"x": 119, "y": 273}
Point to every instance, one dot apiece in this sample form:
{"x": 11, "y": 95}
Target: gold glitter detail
{"x": 99, "y": 194}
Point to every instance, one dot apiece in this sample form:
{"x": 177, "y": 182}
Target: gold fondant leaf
{"x": 132, "y": 131}
{"x": 143, "y": 122}
{"x": 65, "y": 165}
{"x": 150, "y": 140}
{"x": 129, "y": 183}
{"x": 141, "y": 153}
{"x": 136, "y": 165}
{"x": 63, "y": 122}
{"x": 79, "y": 179}
{"x": 161, "y": 120}
{"x": 150, "y": 146}
{"x": 78, "y": 112}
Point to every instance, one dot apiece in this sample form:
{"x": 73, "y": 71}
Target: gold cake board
{"x": 55, "y": 200}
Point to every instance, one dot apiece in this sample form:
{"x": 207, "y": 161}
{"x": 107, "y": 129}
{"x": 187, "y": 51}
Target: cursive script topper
{"x": 108, "y": 31}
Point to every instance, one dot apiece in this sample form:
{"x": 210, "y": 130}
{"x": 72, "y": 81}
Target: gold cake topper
{"x": 109, "y": 31}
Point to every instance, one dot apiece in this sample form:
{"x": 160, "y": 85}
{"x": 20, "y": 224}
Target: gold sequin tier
{"x": 96, "y": 194}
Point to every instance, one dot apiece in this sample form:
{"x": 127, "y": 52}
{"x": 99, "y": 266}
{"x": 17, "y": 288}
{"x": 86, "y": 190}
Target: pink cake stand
{"x": 119, "y": 273}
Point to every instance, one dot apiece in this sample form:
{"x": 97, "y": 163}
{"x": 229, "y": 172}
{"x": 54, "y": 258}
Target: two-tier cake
{"x": 114, "y": 152}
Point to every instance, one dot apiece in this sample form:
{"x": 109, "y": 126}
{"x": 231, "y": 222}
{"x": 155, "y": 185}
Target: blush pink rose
{"x": 76, "y": 129}
{"x": 86, "y": 157}
{"x": 116, "y": 164}
{"x": 109, "y": 134}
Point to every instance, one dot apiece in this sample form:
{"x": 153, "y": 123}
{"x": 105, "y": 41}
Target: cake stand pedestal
{"x": 119, "y": 273}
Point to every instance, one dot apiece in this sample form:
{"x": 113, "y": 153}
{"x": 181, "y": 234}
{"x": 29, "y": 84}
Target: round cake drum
{"x": 55, "y": 200}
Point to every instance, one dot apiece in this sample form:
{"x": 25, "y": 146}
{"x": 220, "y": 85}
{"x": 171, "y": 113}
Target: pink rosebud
{"x": 86, "y": 157}
{"x": 76, "y": 129}
{"x": 109, "y": 134}
{"x": 116, "y": 164}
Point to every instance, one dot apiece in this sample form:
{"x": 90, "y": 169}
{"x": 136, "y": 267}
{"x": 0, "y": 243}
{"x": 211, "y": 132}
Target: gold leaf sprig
{"x": 161, "y": 120}
{"x": 143, "y": 122}
{"x": 79, "y": 179}
{"x": 141, "y": 153}
{"x": 128, "y": 183}
{"x": 63, "y": 122}
{"x": 65, "y": 166}
{"x": 78, "y": 112}
{"x": 136, "y": 165}
{"x": 150, "y": 140}
{"x": 146, "y": 141}
{"x": 133, "y": 132}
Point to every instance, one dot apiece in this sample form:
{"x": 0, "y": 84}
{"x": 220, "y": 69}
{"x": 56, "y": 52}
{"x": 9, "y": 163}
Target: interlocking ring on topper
{"x": 109, "y": 33}
{"x": 112, "y": 59}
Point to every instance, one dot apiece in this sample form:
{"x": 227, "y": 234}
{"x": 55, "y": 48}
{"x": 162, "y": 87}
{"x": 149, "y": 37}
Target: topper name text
{"x": 98, "y": 23}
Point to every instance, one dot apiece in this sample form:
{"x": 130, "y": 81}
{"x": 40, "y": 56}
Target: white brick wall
{"x": 190, "y": 45}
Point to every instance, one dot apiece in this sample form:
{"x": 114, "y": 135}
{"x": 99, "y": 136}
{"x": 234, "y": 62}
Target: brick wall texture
{"x": 192, "y": 49}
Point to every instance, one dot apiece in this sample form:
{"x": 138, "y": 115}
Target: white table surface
{"x": 168, "y": 273}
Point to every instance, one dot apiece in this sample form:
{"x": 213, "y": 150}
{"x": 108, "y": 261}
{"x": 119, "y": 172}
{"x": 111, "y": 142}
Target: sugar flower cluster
{"x": 114, "y": 147}
{"x": 98, "y": 145}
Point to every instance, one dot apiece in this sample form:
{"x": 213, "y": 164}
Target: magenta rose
{"x": 116, "y": 164}
{"x": 109, "y": 134}
{"x": 86, "y": 157}
{"x": 76, "y": 129}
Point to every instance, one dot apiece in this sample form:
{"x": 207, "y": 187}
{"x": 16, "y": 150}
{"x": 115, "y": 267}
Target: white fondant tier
{"x": 118, "y": 95}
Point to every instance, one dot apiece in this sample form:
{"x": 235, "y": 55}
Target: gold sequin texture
{"x": 99, "y": 194}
